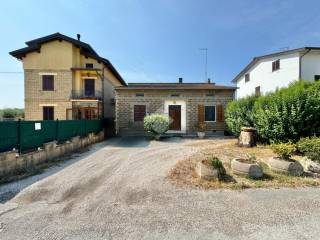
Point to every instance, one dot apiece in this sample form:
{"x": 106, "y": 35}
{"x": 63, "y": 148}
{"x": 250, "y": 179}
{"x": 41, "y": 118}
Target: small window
{"x": 175, "y": 95}
{"x": 316, "y": 77}
{"x": 276, "y": 65}
{"x": 48, "y": 113}
{"x": 47, "y": 82}
{"x": 210, "y": 94}
{"x": 247, "y": 77}
{"x": 139, "y": 94}
{"x": 89, "y": 65}
{"x": 139, "y": 112}
{"x": 257, "y": 91}
{"x": 210, "y": 113}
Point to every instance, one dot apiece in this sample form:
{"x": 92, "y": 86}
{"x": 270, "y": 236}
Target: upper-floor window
{"x": 175, "y": 95}
{"x": 257, "y": 91}
{"x": 47, "y": 82}
{"x": 210, "y": 94}
{"x": 89, "y": 65}
{"x": 247, "y": 77}
{"x": 276, "y": 65}
{"x": 139, "y": 94}
{"x": 316, "y": 77}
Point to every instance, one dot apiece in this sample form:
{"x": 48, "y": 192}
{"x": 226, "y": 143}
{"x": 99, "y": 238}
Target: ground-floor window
{"x": 48, "y": 113}
{"x": 316, "y": 77}
{"x": 210, "y": 113}
{"x": 139, "y": 112}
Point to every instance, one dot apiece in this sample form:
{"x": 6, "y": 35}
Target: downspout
{"x": 102, "y": 92}
{"x": 300, "y": 61}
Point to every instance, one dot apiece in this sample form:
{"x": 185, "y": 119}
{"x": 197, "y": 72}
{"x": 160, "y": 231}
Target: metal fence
{"x": 27, "y": 135}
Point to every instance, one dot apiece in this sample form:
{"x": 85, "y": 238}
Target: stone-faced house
{"x": 65, "y": 78}
{"x": 186, "y": 104}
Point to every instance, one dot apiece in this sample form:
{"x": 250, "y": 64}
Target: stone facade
{"x": 154, "y": 100}
{"x": 36, "y": 98}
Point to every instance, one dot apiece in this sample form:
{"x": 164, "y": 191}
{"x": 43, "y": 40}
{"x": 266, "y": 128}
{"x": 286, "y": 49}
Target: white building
{"x": 269, "y": 72}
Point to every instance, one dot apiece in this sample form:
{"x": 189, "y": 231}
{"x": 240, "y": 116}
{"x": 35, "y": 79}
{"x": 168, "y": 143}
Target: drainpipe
{"x": 300, "y": 61}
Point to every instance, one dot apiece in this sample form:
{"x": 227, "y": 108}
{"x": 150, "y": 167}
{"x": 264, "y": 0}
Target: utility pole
{"x": 206, "y": 63}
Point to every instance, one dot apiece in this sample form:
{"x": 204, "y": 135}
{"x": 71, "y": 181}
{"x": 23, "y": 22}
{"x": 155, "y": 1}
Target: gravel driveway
{"x": 120, "y": 191}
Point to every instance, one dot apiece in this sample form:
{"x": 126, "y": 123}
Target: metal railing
{"x": 86, "y": 94}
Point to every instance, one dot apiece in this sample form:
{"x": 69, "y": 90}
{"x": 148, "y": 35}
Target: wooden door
{"x": 175, "y": 117}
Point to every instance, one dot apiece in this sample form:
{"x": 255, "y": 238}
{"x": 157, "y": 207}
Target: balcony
{"x": 86, "y": 94}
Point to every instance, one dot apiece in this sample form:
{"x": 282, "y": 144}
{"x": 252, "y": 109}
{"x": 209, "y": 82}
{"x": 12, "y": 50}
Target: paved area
{"x": 120, "y": 191}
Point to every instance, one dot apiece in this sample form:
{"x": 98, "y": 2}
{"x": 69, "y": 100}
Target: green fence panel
{"x": 70, "y": 128}
{"x": 93, "y": 126}
{"x": 34, "y": 134}
{"x": 8, "y": 135}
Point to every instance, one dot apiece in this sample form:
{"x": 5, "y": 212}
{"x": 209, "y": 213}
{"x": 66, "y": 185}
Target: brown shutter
{"x": 220, "y": 115}
{"x": 200, "y": 113}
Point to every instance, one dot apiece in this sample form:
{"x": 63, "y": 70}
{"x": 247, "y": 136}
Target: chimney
{"x": 78, "y": 36}
{"x": 180, "y": 80}
{"x": 209, "y": 80}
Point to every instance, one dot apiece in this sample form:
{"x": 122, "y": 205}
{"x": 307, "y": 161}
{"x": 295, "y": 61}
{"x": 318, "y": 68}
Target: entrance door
{"x": 89, "y": 87}
{"x": 175, "y": 117}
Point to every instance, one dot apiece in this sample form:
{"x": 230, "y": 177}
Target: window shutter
{"x": 200, "y": 113}
{"x": 220, "y": 114}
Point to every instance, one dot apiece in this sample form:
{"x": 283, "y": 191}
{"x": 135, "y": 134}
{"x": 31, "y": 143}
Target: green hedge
{"x": 286, "y": 115}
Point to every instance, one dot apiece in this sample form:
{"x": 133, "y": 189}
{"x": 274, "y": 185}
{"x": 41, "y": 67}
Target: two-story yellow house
{"x": 65, "y": 78}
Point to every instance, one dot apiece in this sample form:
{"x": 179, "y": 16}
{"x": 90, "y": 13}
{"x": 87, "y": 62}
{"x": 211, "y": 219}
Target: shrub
{"x": 217, "y": 164}
{"x": 287, "y": 114}
{"x": 310, "y": 147}
{"x": 156, "y": 124}
{"x": 284, "y": 150}
{"x": 239, "y": 114}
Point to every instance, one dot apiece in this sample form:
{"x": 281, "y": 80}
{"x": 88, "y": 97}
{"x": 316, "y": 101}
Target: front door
{"x": 89, "y": 87}
{"x": 175, "y": 117}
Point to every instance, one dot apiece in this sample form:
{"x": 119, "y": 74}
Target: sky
{"x": 159, "y": 41}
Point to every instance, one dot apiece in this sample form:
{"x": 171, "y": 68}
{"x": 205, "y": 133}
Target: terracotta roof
{"x": 256, "y": 59}
{"x": 179, "y": 86}
{"x": 85, "y": 49}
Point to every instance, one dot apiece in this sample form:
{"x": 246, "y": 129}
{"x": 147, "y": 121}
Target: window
{"x": 210, "y": 94}
{"x": 257, "y": 91}
{"x": 276, "y": 65}
{"x": 48, "y": 113}
{"x": 210, "y": 113}
{"x": 47, "y": 82}
{"x": 139, "y": 94}
{"x": 89, "y": 65}
{"x": 139, "y": 112}
{"x": 175, "y": 95}
{"x": 316, "y": 77}
{"x": 247, "y": 77}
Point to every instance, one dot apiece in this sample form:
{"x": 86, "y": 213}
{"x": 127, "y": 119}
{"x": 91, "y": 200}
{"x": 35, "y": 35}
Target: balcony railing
{"x": 86, "y": 94}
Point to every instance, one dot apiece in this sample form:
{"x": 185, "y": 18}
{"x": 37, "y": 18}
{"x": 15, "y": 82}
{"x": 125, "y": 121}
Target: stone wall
{"x": 154, "y": 101}
{"x": 36, "y": 98}
{"x": 12, "y": 163}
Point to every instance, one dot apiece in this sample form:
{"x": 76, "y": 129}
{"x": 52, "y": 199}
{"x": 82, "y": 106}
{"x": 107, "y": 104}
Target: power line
{"x": 11, "y": 72}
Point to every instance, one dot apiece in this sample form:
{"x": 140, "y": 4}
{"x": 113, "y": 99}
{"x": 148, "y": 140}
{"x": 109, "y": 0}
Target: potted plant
{"x": 156, "y": 124}
{"x": 247, "y": 166}
{"x": 210, "y": 168}
{"x": 283, "y": 161}
{"x": 201, "y": 128}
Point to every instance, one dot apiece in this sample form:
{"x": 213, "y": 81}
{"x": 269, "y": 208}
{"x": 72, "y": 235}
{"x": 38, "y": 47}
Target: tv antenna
{"x": 206, "y": 62}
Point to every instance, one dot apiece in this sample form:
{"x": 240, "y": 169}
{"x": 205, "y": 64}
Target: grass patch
{"x": 184, "y": 173}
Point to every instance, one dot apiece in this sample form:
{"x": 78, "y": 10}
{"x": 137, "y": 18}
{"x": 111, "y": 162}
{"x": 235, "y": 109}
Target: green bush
{"x": 217, "y": 164}
{"x": 239, "y": 114}
{"x": 286, "y": 115}
{"x": 310, "y": 147}
{"x": 156, "y": 124}
{"x": 284, "y": 150}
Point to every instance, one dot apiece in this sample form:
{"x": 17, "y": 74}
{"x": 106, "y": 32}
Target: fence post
{"x": 19, "y": 135}
{"x": 57, "y": 129}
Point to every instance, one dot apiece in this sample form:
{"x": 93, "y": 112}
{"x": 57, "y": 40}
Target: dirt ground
{"x": 121, "y": 191}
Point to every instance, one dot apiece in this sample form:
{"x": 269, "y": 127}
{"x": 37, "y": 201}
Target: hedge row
{"x": 285, "y": 115}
